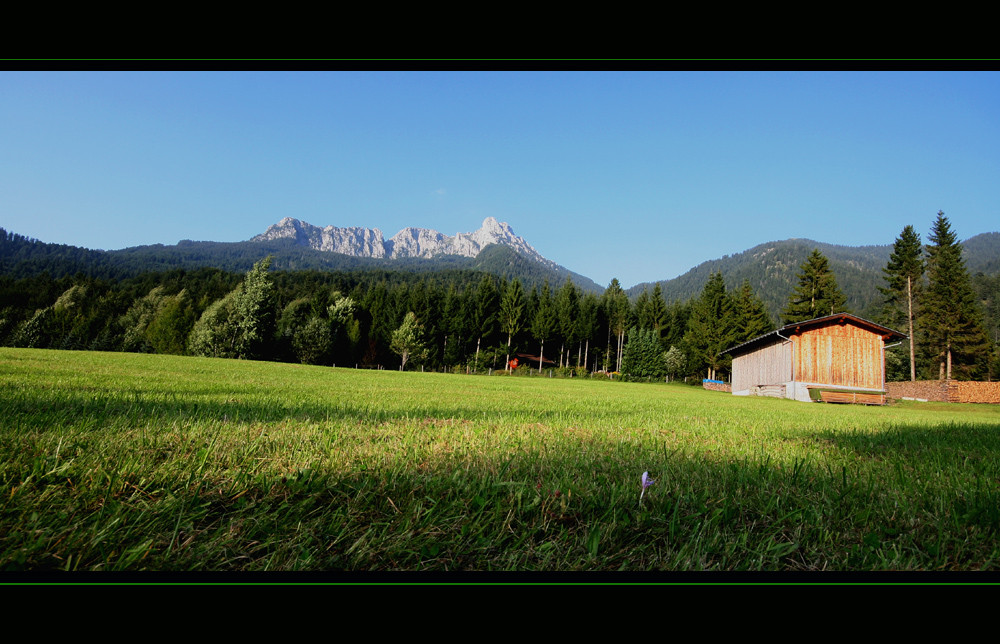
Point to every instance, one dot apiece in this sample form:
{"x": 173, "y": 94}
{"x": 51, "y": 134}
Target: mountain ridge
{"x": 771, "y": 268}
{"x": 410, "y": 242}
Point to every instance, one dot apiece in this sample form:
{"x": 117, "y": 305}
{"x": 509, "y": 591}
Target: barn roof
{"x": 795, "y": 327}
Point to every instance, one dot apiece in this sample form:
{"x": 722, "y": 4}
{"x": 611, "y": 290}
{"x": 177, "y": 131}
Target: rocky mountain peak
{"x": 409, "y": 242}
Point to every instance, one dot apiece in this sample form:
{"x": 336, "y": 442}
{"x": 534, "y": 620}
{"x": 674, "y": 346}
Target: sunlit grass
{"x": 128, "y": 462}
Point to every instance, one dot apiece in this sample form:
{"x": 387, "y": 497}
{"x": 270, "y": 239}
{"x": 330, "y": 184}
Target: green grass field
{"x": 144, "y": 462}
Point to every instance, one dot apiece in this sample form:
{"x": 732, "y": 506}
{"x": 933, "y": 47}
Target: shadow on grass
{"x": 910, "y": 497}
{"x": 968, "y": 440}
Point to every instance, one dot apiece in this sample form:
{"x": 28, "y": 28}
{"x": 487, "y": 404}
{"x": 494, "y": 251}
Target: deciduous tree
{"x": 511, "y": 312}
{"x": 408, "y": 341}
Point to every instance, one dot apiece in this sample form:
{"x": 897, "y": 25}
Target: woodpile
{"x": 852, "y": 397}
{"x": 963, "y": 391}
{"x": 974, "y": 392}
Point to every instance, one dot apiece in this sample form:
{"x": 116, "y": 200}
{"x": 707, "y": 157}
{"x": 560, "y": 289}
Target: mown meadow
{"x": 112, "y": 461}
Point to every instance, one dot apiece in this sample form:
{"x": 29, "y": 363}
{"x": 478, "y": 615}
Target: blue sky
{"x": 634, "y": 175}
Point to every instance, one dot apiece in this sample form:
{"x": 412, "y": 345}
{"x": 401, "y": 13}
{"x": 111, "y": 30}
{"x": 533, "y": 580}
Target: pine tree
{"x": 817, "y": 293}
{"x": 643, "y": 356}
{"x": 544, "y": 322}
{"x": 950, "y": 317}
{"x": 568, "y": 313}
{"x": 904, "y": 276}
{"x": 658, "y": 311}
{"x": 643, "y": 312}
{"x": 589, "y": 323}
{"x": 484, "y": 312}
{"x": 617, "y": 307}
{"x": 752, "y": 318}
{"x": 711, "y": 327}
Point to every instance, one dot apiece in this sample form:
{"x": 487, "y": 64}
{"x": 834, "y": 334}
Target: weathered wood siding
{"x": 766, "y": 366}
{"x": 843, "y": 355}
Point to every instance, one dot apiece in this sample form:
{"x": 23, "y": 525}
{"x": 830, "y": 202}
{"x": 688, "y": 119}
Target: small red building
{"x": 839, "y": 351}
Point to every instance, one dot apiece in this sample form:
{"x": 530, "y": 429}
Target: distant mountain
{"x": 772, "y": 269}
{"x": 982, "y": 253}
{"x": 409, "y": 242}
{"x": 493, "y": 249}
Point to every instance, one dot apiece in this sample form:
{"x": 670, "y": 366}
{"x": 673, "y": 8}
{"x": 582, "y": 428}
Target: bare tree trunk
{"x": 508, "y": 353}
{"x": 949, "y": 361}
{"x": 909, "y": 305}
{"x": 541, "y": 356}
{"x": 607, "y": 349}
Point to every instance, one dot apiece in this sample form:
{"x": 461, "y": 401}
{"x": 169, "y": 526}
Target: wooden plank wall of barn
{"x": 765, "y": 366}
{"x": 839, "y": 354}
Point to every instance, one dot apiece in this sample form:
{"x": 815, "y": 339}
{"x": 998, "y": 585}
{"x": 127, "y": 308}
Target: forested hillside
{"x": 771, "y": 269}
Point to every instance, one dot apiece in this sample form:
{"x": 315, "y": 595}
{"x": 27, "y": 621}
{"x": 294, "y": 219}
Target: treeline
{"x": 461, "y": 320}
{"x": 474, "y": 321}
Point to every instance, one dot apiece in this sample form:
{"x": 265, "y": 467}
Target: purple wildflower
{"x": 646, "y": 482}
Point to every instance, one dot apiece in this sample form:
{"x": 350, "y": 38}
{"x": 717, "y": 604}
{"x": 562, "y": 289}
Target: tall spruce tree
{"x": 568, "y": 314}
{"x": 711, "y": 327}
{"x": 817, "y": 293}
{"x": 658, "y": 311}
{"x": 950, "y": 316}
{"x": 484, "y": 312}
{"x": 904, "y": 276}
{"x": 544, "y": 323}
{"x": 752, "y": 318}
{"x": 589, "y": 323}
{"x": 617, "y": 308}
{"x": 643, "y": 356}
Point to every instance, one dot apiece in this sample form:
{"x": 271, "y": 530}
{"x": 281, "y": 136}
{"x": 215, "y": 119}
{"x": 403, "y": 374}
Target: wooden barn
{"x": 837, "y": 358}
